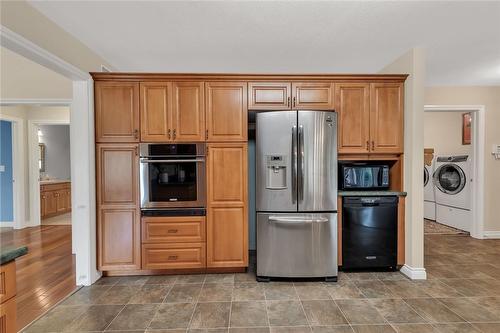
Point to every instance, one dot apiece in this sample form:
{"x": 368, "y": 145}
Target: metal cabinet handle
{"x": 206, "y": 134}
{"x": 136, "y": 133}
{"x": 294, "y": 102}
{"x": 175, "y": 135}
{"x": 373, "y": 145}
{"x": 169, "y": 133}
{"x": 288, "y": 103}
{"x": 367, "y": 145}
{"x": 172, "y": 231}
{"x": 172, "y": 257}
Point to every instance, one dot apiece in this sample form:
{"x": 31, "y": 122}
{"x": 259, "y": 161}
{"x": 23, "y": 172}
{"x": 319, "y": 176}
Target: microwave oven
{"x": 364, "y": 177}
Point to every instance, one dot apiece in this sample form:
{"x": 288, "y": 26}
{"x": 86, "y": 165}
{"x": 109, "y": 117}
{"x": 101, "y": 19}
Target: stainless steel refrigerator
{"x": 296, "y": 194}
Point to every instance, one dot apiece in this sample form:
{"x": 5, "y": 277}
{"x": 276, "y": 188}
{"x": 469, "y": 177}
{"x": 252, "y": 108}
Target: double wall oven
{"x": 172, "y": 178}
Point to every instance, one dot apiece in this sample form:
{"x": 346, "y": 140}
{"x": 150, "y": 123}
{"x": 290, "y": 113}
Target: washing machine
{"x": 429, "y": 195}
{"x": 452, "y": 179}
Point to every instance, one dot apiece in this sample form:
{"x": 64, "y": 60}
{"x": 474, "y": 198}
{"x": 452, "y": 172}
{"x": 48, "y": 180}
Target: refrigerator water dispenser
{"x": 276, "y": 172}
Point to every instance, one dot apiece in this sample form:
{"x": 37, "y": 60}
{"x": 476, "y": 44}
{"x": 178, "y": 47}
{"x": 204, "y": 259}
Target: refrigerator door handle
{"x": 295, "y": 220}
{"x": 300, "y": 177}
{"x": 294, "y": 164}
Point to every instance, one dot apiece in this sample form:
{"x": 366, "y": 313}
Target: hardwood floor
{"x": 46, "y": 274}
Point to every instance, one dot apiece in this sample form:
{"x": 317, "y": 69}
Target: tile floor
{"x": 462, "y": 294}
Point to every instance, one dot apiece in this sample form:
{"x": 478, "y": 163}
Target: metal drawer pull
{"x": 145, "y": 160}
{"x": 172, "y": 231}
{"x": 172, "y": 257}
{"x": 294, "y": 220}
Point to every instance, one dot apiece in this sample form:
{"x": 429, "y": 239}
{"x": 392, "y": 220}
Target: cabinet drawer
{"x": 173, "y": 229}
{"x": 7, "y": 281}
{"x": 172, "y": 256}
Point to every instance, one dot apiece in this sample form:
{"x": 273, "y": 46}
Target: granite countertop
{"x": 54, "y": 181}
{"x": 370, "y": 193}
{"x": 11, "y": 253}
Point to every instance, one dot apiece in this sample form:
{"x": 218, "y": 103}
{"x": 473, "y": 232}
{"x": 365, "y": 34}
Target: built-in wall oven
{"x": 172, "y": 176}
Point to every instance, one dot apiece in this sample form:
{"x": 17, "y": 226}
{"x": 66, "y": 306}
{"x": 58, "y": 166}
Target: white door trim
{"x": 17, "y": 165}
{"x": 478, "y": 142}
{"x": 35, "y": 101}
{"x": 83, "y": 209}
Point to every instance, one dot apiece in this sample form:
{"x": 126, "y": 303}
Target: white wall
{"x": 443, "y": 132}
{"x": 413, "y": 63}
{"x": 32, "y": 113}
{"x": 57, "y": 151}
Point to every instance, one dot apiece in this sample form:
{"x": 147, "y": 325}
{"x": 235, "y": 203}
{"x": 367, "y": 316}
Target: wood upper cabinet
{"x": 118, "y": 218}
{"x": 156, "y": 104}
{"x": 269, "y": 95}
{"x": 227, "y": 225}
{"x": 119, "y": 239}
{"x": 117, "y": 111}
{"x": 353, "y": 107}
{"x": 188, "y": 111}
{"x": 117, "y": 174}
{"x": 386, "y": 117}
{"x": 313, "y": 95}
{"x": 227, "y": 112}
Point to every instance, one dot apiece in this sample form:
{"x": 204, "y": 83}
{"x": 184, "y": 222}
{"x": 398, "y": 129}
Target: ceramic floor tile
{"x": 194, "y": 278}
{"x": 118, "y": 294}
{"x": 248, "y": 292}
{"x": 249, "y": 330}
{"x": 323, "y": 312}
{"x": 286, "y": 313}
{"x": 433, "y": 310}
{"x": 215, "y": 292}
{"x": 87, "y": 295}
{"x": 407, "y": 289}
{"x": 360, "y": 312}
{"x": 132, "y": 280}
{"x": 469, "y": 311}
{"x": 437, "y": 288}
{"x": 280, "y": 291}
{"x": 248, "y": 314}
{"x": 415, "y": 328}
{"x": 172, "y": 315}
{"x": 183, "y": 293}
{"x": 245, "y": 278}
{"x": 374, "y": 289}
{"x": 134, "y": 317}
{"x": 332, "y": 329}
{"x": 487, "y": 327}
{"x": 373, "y": 329}
{"x": 219, "y": 278}
{"x": 57, "y": 319}
{"x": 396, "y": 311}
{"x": 162, "y": 279}
{"x": 107, "y": 281}
{"x": 467, "y": 287}
{"x": 456, "y": 328}
{"x": 345, "y": 291}
{"x": 95, "y": 318}
{"x": 150, "y": 294}
{"x": 311, "y": 291}
{"x": 211, "y": 315}
{"x": 291, "y": 329}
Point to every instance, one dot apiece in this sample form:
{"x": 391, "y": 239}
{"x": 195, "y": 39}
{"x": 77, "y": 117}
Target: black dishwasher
{"x": 369, "y": 232}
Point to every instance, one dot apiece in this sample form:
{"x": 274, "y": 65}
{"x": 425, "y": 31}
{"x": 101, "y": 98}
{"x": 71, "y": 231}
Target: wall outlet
{"x": 495, "y": 151}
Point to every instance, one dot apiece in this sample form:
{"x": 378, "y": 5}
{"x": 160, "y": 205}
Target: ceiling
{"x": 462, "y": 38}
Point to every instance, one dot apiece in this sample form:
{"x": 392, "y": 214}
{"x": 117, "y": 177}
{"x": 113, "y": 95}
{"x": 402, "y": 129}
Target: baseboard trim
{"x": 414, "y": 273}
{"x": 491, "y": 235}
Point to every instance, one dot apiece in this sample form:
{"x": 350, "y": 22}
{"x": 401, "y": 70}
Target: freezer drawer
{"x": 297, "y": 245}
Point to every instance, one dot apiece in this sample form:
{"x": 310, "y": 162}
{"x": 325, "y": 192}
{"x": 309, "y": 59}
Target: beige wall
{"x": 21, "y": 78}
{"x": 413, "y": 63}
{"x": 26, "y": 21}
{"x": 490, "y": 98}
{"x": 443, "y": 132}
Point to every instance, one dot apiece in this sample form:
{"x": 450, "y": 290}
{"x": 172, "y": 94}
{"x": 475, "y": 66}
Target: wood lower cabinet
{"x": 174, "y": 256}
{"x": 118, "y": 219}
{"x": 313, "y": 95}
{"x": 116, "y": 111}
{"x": 227, "y": 112}
{"x": 8, "y": 298}
{"x": 119, "y": 238}
{"x": 353, "y": 108}
{"x": 269, "y": 95}
{"x": 55, "y": 199}
{"x": 386, "y": 117}
{"x": 227, "y": 220}
{"x": 175, "y": 229}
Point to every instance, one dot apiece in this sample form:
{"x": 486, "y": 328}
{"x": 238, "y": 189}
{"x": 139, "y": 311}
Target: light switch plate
{"x": 2, "y": 168}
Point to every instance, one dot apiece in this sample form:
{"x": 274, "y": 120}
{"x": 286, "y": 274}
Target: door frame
{"x": 83, "y": 204}
{"x": 18, "y": 177}
{"x": 478, "y": 154}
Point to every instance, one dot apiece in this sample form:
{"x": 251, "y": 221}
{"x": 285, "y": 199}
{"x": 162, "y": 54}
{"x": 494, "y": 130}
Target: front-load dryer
{"x": 429, "y": 192}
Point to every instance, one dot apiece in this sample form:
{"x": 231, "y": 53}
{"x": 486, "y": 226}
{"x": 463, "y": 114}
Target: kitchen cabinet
{"x": 174, "y": 256}
{"x": 8, "y": 297}
{"x": 116, "y": 111}
{"x": 175, "y": 229}
{"x": 118, "y": 217}
{"x": 353, "y": 108}
{"x": 55, "y": 199}
{"x": 386, "y": 117}
{"x": 156, "y": 105}
{"x": 227, "y": 112}
{"x": 227, "y": 225}
{"x": 269, "y": 95}
{"x": 291, "y": 95}
{"x": 313, "y": 95}
{"x": 188, "y": 111}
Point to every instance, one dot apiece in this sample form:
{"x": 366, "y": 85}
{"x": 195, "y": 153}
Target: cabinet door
{"x": 8, "y": 316}
{"x": 155, "y": 111}
{"x": 173, "y": 256}
{"x": 61, "y": 201}
{"x": 173, "y": 229}
{"x": 43, "y": 203}
{"x": 117, "y": 111}
{"x": 119, "y": 239}
{"x": 386, "y": 117}
{"x": 117, "y": 174}
{"x": 50, "y": 203}
{"x": 353, "y": 107}
{"x": 68, "y": 200}
{"x": 313, "y": 95}
{"x": 188, "y": 112}
{"x": 227, "y": 226}
{"x": 269, "y": 95}
{"x": 226, "y": 111}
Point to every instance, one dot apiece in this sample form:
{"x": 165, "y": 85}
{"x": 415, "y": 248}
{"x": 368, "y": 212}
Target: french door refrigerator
{"x": 296, "y": 194}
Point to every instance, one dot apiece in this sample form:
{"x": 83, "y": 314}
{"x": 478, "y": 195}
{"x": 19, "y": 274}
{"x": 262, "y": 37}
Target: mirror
{"x": 41, "y": 158}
